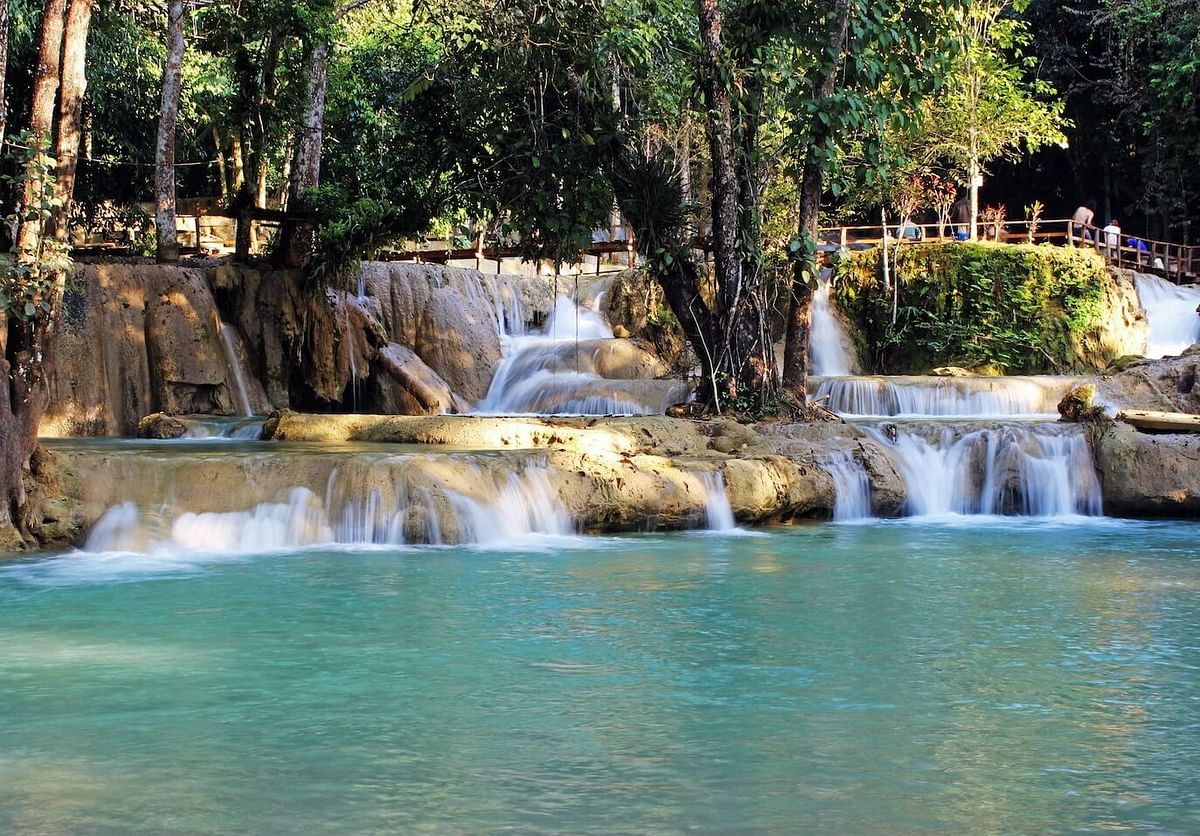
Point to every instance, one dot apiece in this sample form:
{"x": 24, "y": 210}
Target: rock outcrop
{"x": 1171, "y": 384}
{"x": 134, "y": 339}
{"x": 1147, "y": 474}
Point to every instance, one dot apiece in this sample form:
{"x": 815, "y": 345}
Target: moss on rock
{"x": 1018, "y": 308}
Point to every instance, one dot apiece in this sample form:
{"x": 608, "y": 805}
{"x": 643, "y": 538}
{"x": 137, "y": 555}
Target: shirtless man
{"x": 1084, "y": 216}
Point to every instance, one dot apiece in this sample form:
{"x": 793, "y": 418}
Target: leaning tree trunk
{"x": 812, "y": 184}
{"x": 70, "y": 110}
{"x": 41, "y": 116}
{"x": 164, "y": 151}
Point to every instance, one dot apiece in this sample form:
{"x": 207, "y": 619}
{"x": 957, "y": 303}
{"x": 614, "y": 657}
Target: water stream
{"x": 1171, "y": 314}
{"x": 554, "y": 372}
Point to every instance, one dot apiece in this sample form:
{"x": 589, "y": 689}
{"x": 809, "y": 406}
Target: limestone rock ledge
{"x": 1147, "y": 474}
{"x": 632, "y": 473}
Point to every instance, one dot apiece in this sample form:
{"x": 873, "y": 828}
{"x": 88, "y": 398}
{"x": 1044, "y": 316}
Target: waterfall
{"x": 928, "y": 396}
{"x": 1041, "y": 470}
{"x": 852, "y": 487}
{"x": 718, "y": 512}
{"x": 233, "y": 362}
{"x": 828, "y": 343}
{"x": 510, "y": 507}
{"x": 554, "y": 372}
{"x": 1170, "y": 313}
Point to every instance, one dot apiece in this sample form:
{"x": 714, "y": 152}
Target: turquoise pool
{"x": 989, "y": 676}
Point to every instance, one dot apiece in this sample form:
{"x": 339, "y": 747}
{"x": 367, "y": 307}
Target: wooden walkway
{"x": 1179, "y": 263}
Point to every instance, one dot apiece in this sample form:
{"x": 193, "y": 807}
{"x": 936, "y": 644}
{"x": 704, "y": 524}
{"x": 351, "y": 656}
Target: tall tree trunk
{"x": 70, "y": 109}
{"x": 721, "y": 147}
{"x": 24, "y": 343}
{"x": 296, "y": 243}
{"x": 743, "y": 352}
{"x": 3, "y": 67}
{"x": 812, "y": 184}
{"x": 41, "y": 114}
{"x": 263, "y": 123}
{"x": 306, "y": 167}
{"x": 164, "y": 152}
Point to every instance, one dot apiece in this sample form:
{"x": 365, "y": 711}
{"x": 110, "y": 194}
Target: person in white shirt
{"x": 1112, "y": 236}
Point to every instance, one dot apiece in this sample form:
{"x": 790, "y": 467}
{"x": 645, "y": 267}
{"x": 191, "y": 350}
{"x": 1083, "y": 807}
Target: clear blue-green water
{"x": 986, "y": 677}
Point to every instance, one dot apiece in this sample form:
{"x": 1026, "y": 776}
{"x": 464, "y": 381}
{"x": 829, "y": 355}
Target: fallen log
{"x": 1173, "y": 422}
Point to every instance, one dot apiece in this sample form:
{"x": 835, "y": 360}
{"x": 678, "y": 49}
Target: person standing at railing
{"x": 1084, "y": 217}
{"x": 960, "y": 216}
{"x": 1112, "y": 238}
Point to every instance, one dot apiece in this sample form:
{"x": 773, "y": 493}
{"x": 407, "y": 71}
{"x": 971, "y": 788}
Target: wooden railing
{"x": 1178, "y": 262}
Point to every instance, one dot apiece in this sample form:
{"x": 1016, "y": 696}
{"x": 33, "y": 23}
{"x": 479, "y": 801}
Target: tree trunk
{"x": 3, "y": 67}
{"x": 306, "y": 167}
{"x": 70, "y": 110}
{"x": 237, "y": 160}
{"x": 743, "y": 354}
{"x": 724, "y": 166}
{"x": 41, "y": 115}
{"x": 222, "y": 171}
{"x": 164, "y": 153}
{"x": 296, "y": 238}
{"x": 812, "y": 184}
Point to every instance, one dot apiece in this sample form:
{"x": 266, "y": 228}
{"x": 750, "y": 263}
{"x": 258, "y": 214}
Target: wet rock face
{"x": 406, "y": 385}
{"x": 134, "y": 339}
{"x": 1148, "y": 475}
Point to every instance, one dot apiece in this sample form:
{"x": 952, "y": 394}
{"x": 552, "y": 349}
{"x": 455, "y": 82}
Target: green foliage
{"x": 1024, "y": 309}
{"x": 351, "y": 229}
{"x": 28, "y": 280}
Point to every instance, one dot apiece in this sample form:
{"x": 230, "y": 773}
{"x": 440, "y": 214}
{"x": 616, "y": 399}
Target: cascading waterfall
{"x": 929, "y": 396}
{"x": 829, "y": 344}
{"x": 506, "y": 505}
{"x": 718, "y": 512}
{"x": 554, "y": 373}
{"x": 1171, "y": 314}
{"x": 852, "y": 487}
{"x": 233, "y": 362}
{"x": 1041, "y": 470}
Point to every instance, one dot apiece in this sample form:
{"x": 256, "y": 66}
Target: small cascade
{"x": 852, "y": 487}
{"x": 205, "y": 427}
{"x": 1171, "y": 314}
{"x": 930, "y": 396}
{"x": 233, "y": 363}
{"x": 1042, "y": 470}
{"x": 555, "y": 372}
{"x": 505, "y": 508}
{"x": 829, "y": 344}
{"x": 718, "y": 512}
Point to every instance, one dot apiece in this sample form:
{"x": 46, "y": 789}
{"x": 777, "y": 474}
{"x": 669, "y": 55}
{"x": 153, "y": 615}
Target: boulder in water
{"x": 162, "y": 426}
{"x": 950, "y": 371}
